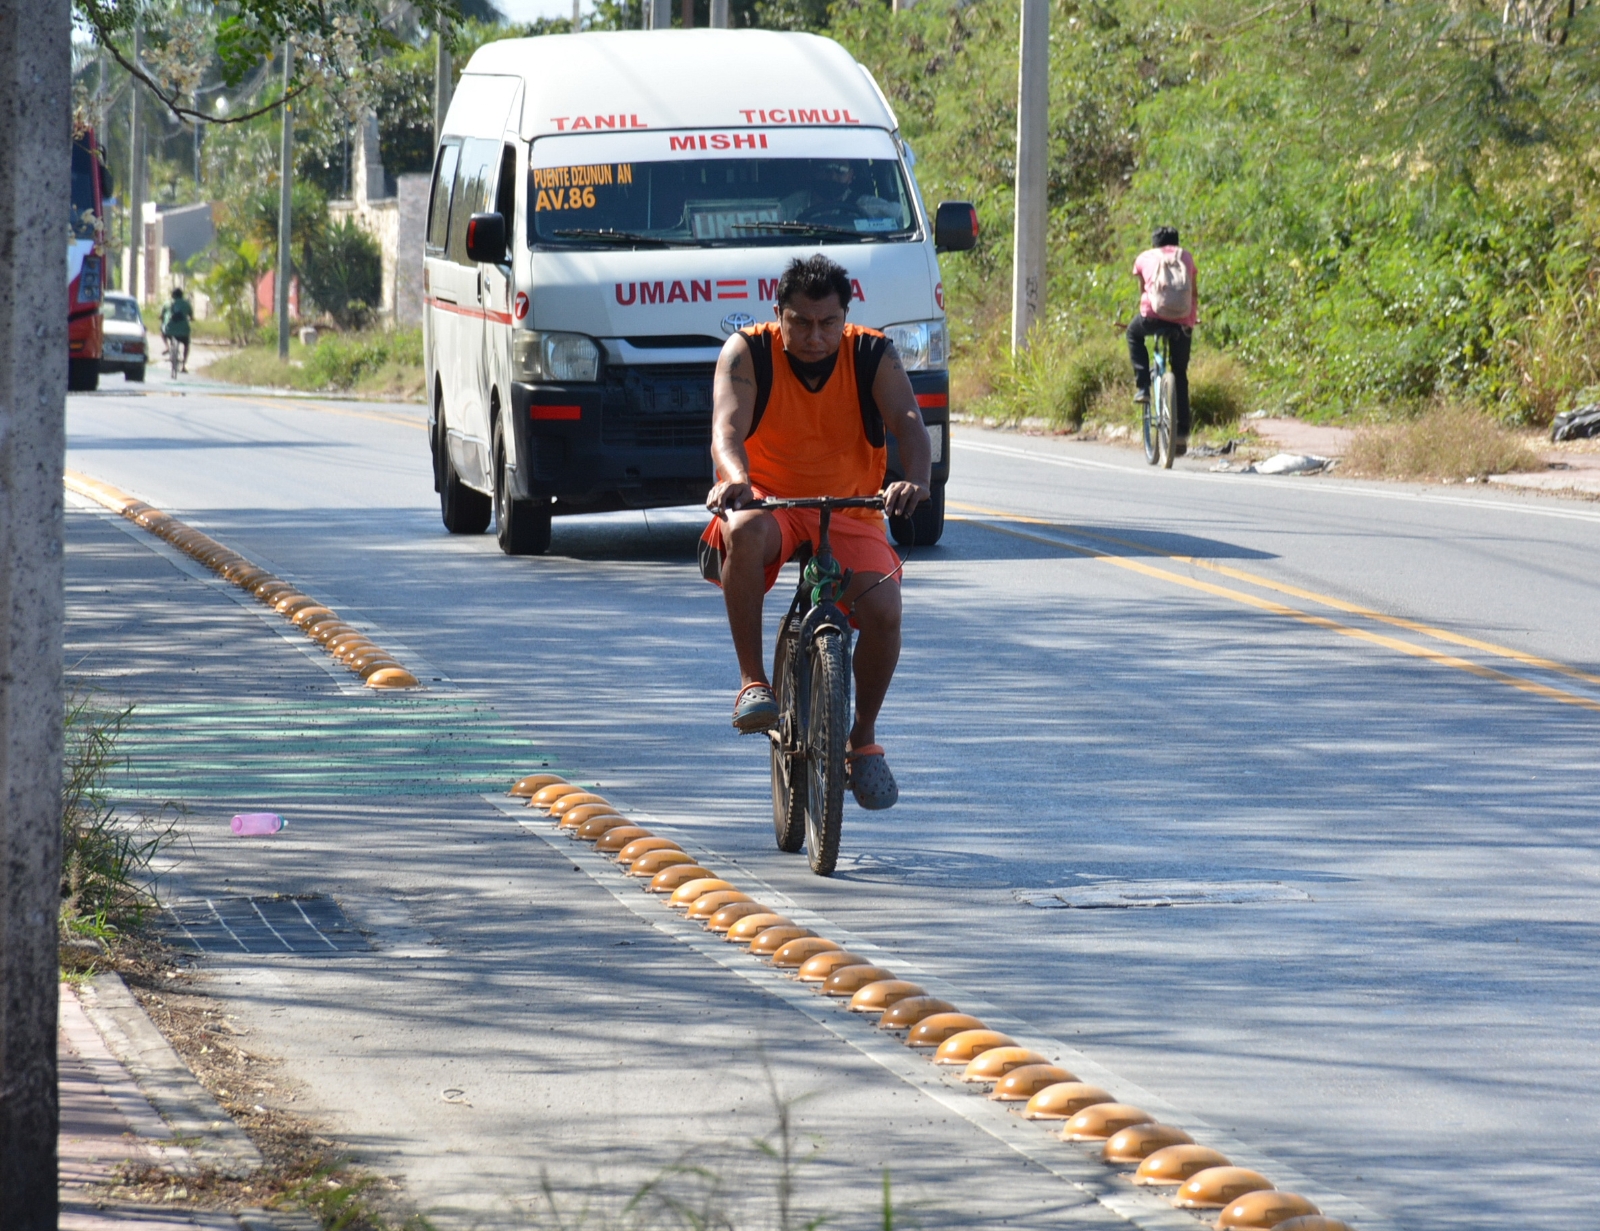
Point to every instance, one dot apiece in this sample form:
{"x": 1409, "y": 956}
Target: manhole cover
{"x": 308, "y": 925}
{"x": 1124, "y": 895}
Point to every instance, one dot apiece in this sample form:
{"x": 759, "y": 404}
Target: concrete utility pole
{"x": 285, "y": 197}
{"x": 135, "y": 190}
{"x": 441, "y": 80}
{"x": 660, "y": 14}
{"x": 1033, "y": 148}
{"x": 35, "y": 185}
{"x": 720, "y": 17}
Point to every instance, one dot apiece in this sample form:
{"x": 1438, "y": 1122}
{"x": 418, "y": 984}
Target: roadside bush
{"x": 342, "y": 362}
{"x": 1053, "y": 382}
{"x": 1449, "y": 440}
{"x": 1219, "y": 394}
{"x": 344, "y": 273}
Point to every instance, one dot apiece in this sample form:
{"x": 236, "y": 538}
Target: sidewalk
{"x": 108, "y": 1123}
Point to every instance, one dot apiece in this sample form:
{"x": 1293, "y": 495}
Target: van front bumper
{"x": 639, "y": 439}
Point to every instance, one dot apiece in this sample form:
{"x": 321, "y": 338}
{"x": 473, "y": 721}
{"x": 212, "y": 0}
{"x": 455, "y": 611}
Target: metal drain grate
{"x": 1125, "y": 895}
{"x": 308, "y": 925}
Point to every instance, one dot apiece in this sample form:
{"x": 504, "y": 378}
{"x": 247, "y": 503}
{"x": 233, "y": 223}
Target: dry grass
{"x": 1447, "y": 441}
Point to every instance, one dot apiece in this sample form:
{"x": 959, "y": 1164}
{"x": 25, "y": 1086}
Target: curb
{"x": 203, "y": 1127}
{"x": 340, "y": 640}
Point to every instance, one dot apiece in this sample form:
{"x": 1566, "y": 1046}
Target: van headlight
{"x": 922, "y": 344}
{"x": 565, "y": 357}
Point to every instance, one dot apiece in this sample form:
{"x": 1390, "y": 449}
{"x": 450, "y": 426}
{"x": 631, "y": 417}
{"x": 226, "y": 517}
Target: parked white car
{"x": 125, "y": 347}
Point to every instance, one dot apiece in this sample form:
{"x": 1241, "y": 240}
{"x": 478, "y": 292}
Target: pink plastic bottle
{"x": 256, "y": 824}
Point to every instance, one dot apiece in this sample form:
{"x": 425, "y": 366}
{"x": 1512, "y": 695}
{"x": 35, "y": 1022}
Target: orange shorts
{"x": 859, "y": 544}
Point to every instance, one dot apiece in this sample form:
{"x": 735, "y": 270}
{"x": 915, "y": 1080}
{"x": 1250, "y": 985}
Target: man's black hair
{"x": 1165, "y": 237}
{"x": 816, "y": 278}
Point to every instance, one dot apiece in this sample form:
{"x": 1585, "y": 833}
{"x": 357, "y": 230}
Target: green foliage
{"x": 1219, "y": 392}
{"x": 344, "y": 273}
{"x": 1053, "y": 381}
{"x": 1385, "y": 201}
{"x": 105, "y": 859}
{"x": 403, "y": 101}
{"x": 383, "y": 364}
{"x": 341, "y": 362}
{"x": 237, "y": 261}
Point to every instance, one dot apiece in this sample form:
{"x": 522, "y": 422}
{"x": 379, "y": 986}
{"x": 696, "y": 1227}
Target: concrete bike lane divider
{"x": 1045, "y": 1100}
{"x": 338, "y": 638}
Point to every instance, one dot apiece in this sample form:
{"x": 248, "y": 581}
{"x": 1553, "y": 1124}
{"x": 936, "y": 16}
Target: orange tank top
{"x": 815, "y": 444}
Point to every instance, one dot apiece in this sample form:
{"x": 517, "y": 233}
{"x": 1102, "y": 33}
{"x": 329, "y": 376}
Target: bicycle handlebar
{"x": 818, "y": 502}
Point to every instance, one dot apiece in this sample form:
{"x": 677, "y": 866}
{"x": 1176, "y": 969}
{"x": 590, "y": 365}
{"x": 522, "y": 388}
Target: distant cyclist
{"x": 1169, "y": 304}
{"x": 800, "y": 407}
{"x": 175, "y": 318}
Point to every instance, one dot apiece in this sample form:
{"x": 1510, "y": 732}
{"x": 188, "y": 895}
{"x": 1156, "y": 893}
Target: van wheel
{"x": 134, "y": 372}
{"x": 925, "y": 526}
{"x": 464, "y": 510}
{"x": 521, "y": 526}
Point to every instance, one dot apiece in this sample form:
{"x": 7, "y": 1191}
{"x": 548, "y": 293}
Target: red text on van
{"x": 694, "y": 290}
{"x": 578, "y": 123}
{"x": 719, "y": 141}
{"x": 798, "y": 115}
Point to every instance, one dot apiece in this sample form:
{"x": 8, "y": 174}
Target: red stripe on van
{"x": 556, "y": 412}
{"x": 933, "y": 401}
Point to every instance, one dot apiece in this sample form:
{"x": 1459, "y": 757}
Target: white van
{"x": 606, "y": 210}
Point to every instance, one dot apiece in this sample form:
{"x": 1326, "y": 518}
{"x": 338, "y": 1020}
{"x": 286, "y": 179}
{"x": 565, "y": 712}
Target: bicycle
{"x": 811, "y": 679}
{"x": 176, "y": 353}
{"x": 1160, "y": 408}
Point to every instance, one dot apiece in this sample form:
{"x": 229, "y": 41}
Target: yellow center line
{"x": 1280, "y": 609}
{"x": 376, "y": 416}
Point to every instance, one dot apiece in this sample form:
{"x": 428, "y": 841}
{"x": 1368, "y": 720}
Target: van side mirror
{"x": 486, "y": 239}
{"x": 955, "y": 226}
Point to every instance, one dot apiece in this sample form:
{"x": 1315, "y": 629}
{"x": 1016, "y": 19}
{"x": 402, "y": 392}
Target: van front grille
{"x": 660, "y": 407}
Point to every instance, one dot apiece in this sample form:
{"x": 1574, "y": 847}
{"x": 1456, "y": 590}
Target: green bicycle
{"x": 1160, "y": 408}
{"x": 811, "y": 680}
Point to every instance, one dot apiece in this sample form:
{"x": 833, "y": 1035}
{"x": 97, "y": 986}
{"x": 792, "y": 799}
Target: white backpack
{"x": 1171, "y": 292}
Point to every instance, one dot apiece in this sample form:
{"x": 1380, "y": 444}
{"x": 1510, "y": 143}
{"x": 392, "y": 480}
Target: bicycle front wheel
{"x": 1152, "y": 443}
{"x": 788, "y": 747}
{"x": 1169, "y": 394}
{"x": 827, "y": 729}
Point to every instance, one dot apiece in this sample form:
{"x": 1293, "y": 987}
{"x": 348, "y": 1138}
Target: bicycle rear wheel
{"x": 827, "y": 729}
{"x": 1152, "y": 444}
{"x": 1169, "y": 392}
{"x": 788, "y": 747}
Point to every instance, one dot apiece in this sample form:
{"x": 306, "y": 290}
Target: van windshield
{"x": 720, "y": 201}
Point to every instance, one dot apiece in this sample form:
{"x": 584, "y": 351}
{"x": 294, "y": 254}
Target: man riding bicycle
{"x": 175, "y": 318}
{"x": 1169, "y": 305}
{"x": 800, "y": 407}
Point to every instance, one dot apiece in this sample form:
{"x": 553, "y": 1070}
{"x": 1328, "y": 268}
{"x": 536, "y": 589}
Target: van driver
{"x": 828, "y": 391}
{"x": 833, "y": 197}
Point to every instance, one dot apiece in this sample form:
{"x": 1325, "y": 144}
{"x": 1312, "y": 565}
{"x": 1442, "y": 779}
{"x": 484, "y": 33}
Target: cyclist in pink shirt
{"x": 1169, "y": 305}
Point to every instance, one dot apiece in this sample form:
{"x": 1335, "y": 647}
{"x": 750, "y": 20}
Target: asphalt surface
{"x": 1181, "y": 680}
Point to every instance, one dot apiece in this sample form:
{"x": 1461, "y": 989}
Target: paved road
{"x": 1373, "y": 710}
